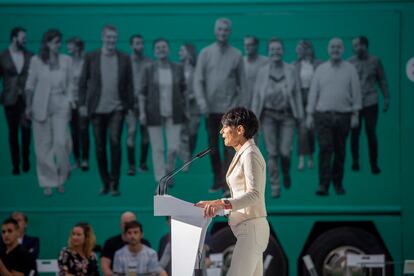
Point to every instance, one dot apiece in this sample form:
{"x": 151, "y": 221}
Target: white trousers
{"x": 252, "y": 238}
{"x": 53, "y": 143}
{"x": 156, "y": 135}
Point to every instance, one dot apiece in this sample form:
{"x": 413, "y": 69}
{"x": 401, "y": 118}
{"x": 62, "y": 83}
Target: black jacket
{"x": 150, "y": 94}
{"x": 13, "y": 83}
{"x": 90, "y": 82}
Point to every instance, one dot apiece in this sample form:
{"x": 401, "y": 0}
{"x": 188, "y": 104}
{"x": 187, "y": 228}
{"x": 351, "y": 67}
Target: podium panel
{"x": 188, "y": 231}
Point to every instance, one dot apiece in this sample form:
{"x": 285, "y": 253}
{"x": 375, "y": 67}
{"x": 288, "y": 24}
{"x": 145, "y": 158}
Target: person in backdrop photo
{"x": 246, "y": 178}
{"x": 48, "y": 97}
{"x": 333, "y": 108}
{"x": 79, "y": 125}
{"x": 105, "y": 95}
{"x": 305, "y": 67}
{"x": 162, "y": 109}
{"x": 253, "y": 61}
{"x": 14, "y": 66}
{"x": 138, "y": 61}
{"x": 371, "y": 74}
{"x": 278, "y": 105}
{"x": 219, "y": 84}
{"x": 188, "y": 59}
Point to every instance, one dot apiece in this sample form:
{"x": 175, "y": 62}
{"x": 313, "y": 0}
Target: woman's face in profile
{"x": 232, "y": 135}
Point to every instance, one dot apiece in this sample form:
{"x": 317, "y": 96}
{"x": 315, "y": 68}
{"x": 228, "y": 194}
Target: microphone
{"x": 163, "y": 184}
{"x": 204, "y": 152}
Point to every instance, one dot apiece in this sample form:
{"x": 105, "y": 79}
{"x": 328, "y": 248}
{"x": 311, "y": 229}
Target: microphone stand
{"x": 163, "y": 183}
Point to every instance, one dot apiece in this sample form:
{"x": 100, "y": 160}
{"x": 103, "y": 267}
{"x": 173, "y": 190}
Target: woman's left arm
{"x": 254, "y": 180}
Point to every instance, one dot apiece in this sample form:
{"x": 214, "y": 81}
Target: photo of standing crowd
{"x": 59, "y": 97}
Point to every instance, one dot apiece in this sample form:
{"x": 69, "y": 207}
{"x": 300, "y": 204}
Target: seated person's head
{"x": 22, "y": 220}
{"x": 82, "y": 238}
{"x": 127, "y": 217}
{"x": 133, "y": 232}
{"x": 10, "y": 232}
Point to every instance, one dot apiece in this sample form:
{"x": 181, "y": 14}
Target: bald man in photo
{"x": 333, "y": 104}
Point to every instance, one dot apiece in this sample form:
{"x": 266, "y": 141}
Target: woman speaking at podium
{"x": 246, "y": 178}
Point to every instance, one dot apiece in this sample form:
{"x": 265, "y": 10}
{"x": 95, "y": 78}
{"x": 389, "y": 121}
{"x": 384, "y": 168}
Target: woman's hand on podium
{"x": 211, "y": 207}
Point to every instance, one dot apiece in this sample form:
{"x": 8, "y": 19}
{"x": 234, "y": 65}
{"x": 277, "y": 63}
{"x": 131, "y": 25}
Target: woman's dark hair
{"x": 47, "y": 37}
{"x": 307, "y": 45}
{"x": 191, "y": 52}
{"x": 240, "y": 116}
{"x": 77, "y": 42}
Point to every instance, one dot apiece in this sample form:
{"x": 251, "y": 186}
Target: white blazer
{"x": 246, "y": 178}
{"x": 38, "y": 81}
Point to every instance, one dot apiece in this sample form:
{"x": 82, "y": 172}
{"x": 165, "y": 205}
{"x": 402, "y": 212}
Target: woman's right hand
{"x": 211, "y": 207}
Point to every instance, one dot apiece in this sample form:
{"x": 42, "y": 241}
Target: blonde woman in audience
{"x": 77, "y": 258}
{"x": 48, "y": 106}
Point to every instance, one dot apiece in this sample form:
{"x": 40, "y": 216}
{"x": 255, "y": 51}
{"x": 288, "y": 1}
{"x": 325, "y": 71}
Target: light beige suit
{"x": 51, "y": 115}
{"x": 246, "y": 178}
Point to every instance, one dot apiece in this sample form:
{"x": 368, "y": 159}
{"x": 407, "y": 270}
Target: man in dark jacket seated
{"x": 14, "y": 258}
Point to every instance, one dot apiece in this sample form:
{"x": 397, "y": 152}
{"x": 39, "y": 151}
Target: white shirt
{"x": 166, "y": 91}
{"x": 306, "y": 73}
{"x": 18, "y": 59}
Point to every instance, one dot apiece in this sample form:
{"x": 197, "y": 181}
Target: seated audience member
{"x": 136, "y": 258}
{"x": 14, "y": 259}
{"x": 78, "y": 258}
{"x": 164, "y": 249}
{"x": 31, "y": 244}
{"x": 116, "y": 242}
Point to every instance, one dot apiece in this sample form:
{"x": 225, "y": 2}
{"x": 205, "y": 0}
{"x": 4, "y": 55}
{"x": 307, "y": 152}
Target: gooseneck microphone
{"x": 163, "y": 183}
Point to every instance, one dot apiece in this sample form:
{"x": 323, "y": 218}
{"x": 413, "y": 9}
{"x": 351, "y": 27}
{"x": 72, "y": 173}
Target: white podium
{"x": 188, "y": 231}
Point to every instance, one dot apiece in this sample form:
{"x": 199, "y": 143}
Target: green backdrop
{"x": 384, "y": 199}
